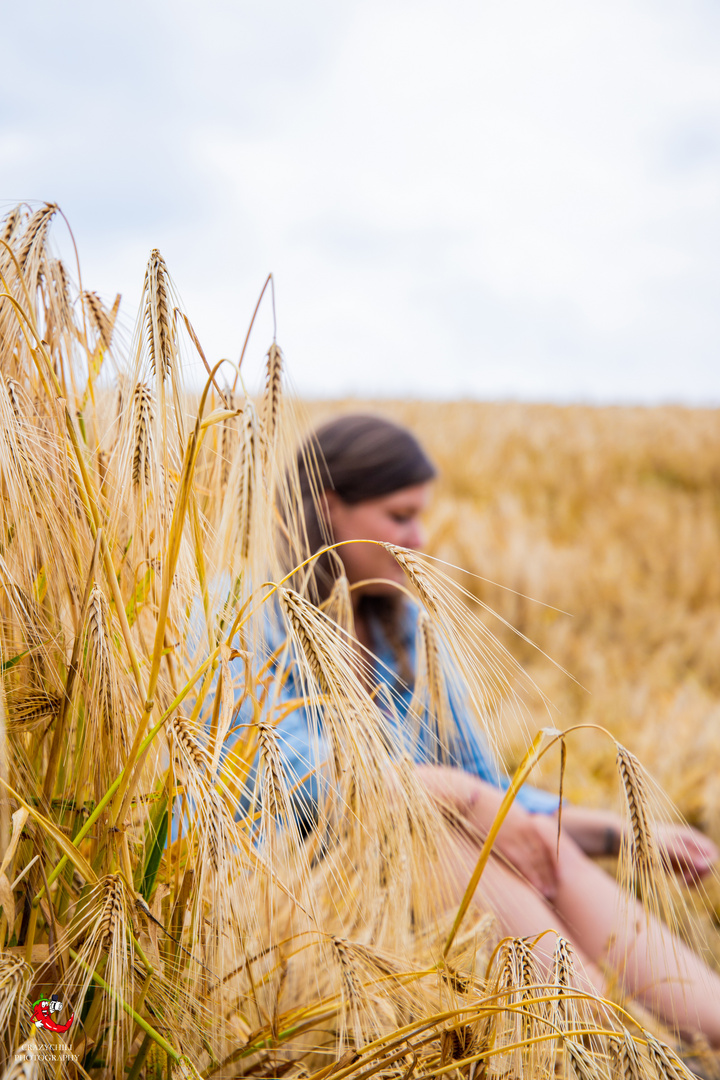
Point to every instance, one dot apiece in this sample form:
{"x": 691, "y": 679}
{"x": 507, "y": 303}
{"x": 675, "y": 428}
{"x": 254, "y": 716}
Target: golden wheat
{"x": 156, "y": 873}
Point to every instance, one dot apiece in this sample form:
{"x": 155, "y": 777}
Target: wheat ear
{"x": 142, "y": 436}
{"x": 627, "y": 1063}
{"x": 644, "y": 854}
{"x": 157, "y": 317}
{"x": 271, "y": 398}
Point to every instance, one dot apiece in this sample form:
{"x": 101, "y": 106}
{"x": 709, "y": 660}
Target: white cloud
{"x": 491, "y": 198}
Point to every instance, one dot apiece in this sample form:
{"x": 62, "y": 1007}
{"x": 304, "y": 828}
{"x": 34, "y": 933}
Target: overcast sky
{"x": 495, "y": 198}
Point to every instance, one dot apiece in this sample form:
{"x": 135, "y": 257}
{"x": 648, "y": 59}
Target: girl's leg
{"x": 519, "y": 909}
{"x": 604, "y": 925}
{"x": 655, "y": 967}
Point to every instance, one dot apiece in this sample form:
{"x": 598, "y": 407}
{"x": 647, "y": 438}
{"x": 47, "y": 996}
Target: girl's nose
{"x": 414, "y": 535}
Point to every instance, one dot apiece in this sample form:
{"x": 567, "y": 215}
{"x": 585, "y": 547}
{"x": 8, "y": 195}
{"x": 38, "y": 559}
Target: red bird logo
{"x": 42, "y": 1014}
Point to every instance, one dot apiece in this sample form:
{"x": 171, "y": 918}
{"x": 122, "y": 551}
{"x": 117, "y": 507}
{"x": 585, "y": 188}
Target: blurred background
{"x": 489, "y": 199}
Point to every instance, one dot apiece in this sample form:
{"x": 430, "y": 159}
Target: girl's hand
{"x": 599, "y": 832}
{"x": 521, "y": 841}
{"x": 527, "y": 846}
{"x": 687, "y": 851}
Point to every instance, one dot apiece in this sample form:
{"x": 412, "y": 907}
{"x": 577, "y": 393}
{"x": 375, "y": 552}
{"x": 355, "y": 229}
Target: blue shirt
{"x": 304, "y": 750}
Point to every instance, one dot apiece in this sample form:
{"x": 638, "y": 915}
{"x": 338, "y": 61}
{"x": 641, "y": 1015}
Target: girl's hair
{"x": 359, "y": 457}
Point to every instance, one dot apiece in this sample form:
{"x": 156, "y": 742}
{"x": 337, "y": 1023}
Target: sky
{"x": 486, "y": 199}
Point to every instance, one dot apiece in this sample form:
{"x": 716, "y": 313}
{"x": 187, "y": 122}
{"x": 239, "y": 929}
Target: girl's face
{"x": 393, "y": 518}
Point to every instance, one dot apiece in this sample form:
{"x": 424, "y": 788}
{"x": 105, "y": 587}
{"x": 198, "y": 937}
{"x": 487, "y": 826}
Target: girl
{"x": 374, "y": 484}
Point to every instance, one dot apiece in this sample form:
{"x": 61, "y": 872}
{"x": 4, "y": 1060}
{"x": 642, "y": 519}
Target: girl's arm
{"x": 599, "y": 832}
{"x": 475, "y": 802}
{"x": 526, "y": 845}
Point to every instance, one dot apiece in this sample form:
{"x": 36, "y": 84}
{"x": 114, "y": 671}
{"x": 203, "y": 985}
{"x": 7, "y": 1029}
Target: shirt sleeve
{"x": 478, "y": 758}
{"x": 471, "y": 750}
{"x": 302, "y": 748}
{"x": 302, "y": 755}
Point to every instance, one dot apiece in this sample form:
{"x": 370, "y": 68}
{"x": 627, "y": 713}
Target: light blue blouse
{"x": 303, "y": 753}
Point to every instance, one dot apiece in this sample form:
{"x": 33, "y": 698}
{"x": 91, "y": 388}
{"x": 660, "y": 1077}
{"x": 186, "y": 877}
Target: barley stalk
{"x": 33, "y": 240}
{"x": 271, "y": 399}
{"x": 142, "y": 439}
{"x": 101, "y": 322}
{"x": 666, "y": 1062}
{"x": 417, "y": 575}
{"x": 627, "y": 1063}
{"x": 248, "y": 476}
{"x": 157, "y": 318}
{"x": 583, "y": 1064}
{"x": 644, "y": 854}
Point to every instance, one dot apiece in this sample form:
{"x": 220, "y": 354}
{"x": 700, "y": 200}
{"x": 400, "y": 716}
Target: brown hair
{"x": 359, "y": 457}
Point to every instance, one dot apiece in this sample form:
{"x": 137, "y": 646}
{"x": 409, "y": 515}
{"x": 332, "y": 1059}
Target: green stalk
{"x": 521, "y": 774}
{"x": 94, "y": 522}
{"x": 147, "y": 1028}
{"x": 139, "y": 1058}
{"x": 183, "y": 501}
{"x": 55, "y": 755}
{"x": 524, "y": 769}
{"x": 77, "y": 840}
{"x": 124, "y": 793}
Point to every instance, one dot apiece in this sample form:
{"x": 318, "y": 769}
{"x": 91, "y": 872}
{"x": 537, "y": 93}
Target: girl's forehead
{"x": 418, "y": 494}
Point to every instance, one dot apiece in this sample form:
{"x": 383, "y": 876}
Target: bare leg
{"x": 520, "y": 910}
{"x": 655, "y": 966}
{"x": 605, "y": 925}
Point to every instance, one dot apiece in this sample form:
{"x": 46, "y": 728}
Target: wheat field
{"x": 156, "y": 597}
